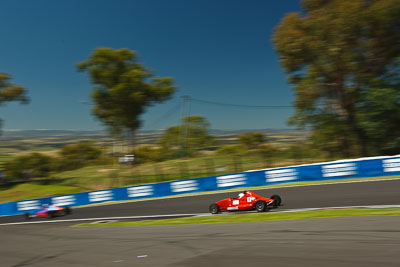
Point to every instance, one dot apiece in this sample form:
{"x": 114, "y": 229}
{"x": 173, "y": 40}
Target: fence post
{"x": 209, "y": 166}
{"x": 237, "y": 164}
{"x": 159, "y": 173}
{"x": 300, "y": 150}
{"x": 184, "y": 170}
{"x": 268, "y": 163}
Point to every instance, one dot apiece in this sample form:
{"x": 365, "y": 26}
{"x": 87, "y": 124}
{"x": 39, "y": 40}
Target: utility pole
{"x": 185, "y": 112}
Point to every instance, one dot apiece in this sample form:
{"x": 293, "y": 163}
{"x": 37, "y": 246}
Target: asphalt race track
{"x": 358, "y": 241}
{"x": 355, "y": 242}
{"x": 381, "y": 192}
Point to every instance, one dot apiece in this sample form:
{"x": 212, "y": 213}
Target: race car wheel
{"x": 260, "y": 205}
{"x": 214, "y": 208}
{"x": 67, "y": 210}
{"x": 27, "y": 216}
{"x": 277, "y": 200}
{"x": 50, "y": 214}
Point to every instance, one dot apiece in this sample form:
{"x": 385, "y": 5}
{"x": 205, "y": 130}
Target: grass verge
{"x": 30, "y": 191}
{"x": 257, "y": 217}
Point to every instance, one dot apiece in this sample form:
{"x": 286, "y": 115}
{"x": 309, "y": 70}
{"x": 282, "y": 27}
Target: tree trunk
{"x": 359, "y": 133}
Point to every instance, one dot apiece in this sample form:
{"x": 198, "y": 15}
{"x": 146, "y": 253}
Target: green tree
{"x": 251, "y": 140}
{"x": 75, "y": 156}
{"x": 29, "y": 166}
{"x": 147, "y": 153}
{"x": 123, "y": 88}
{"x": 333, "y": 51}
{"x": 267, "y": 153}
{"x": 190, "y": 136}
{"x": 380, "y": 117}
{"x": 332, "y": 137}
{"x": 231, "y": 150}
{"x": 10, "y": 91}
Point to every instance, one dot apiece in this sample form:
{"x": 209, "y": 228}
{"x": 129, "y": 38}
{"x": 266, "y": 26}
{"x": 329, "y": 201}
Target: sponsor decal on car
{"x": 281, "y": 175}
{"x": 140, "y": 191}
{"x": 28, "y": 205}
{"x": 63, "y": 200}
{"x": 391, "y": 165}
{"x": 100, "y": 196}
{"x": 183, "y": 186}
{"x": 231, "y": 180}
{"x": 342, "y": 169}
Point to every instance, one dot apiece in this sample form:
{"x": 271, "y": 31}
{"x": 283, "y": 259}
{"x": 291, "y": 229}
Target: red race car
{"x": 246, "y": 200}
{"x": 49, "y": 211}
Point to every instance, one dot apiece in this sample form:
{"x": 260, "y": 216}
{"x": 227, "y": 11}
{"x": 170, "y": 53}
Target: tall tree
{"x": 252, "y": 140}
{"x": 191, "y": 135}
{"x": 29, "y": 166}
{"x": 333, "y": 51}
{"x": 123, "y": 88}
{"x": 380, "y": 117}
{"x": 75, "y": 156}
{"x": 10, "y": 91}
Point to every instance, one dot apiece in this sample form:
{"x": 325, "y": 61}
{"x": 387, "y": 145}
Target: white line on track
{"x": 255, "y": 188}
{"x": 101, "y": 219}
{"x": 199, "y": 214}
{"x": 345, "y": 207}
{"x": 306, "y": 209}
{"x": 206, "y": 193}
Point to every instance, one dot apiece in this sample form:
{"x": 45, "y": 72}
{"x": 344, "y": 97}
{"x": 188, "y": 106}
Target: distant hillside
{"x": 41, "y": 133}
{"x": 19, "y": 142}
{"x": 25, "y": 134}
{"x": 60, "y": 137}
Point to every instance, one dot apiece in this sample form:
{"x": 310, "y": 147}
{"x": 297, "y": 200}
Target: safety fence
{"x": 343, "y": 169}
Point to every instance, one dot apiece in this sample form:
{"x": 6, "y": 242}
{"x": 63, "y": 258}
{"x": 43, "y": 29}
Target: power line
{"x": 238, "y": 105}
{"x": 183, "y": 129}
{"x": 173, "y": 111}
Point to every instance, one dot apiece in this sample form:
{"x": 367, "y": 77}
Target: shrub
{"x": 147, "y": 153}
{"x": 230, "y": 150}
{"x": 78, "y": 155}
{"x": 29, "y": 166}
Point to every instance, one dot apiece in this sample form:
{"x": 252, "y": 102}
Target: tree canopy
{"x": 191, "y": 135}
{"x": 29, "y": 166}
{"x": 10, "y": 91}
{"x": 123, "y": 88}
{"x": 75, "y": 156}
{"x": 251, "y": 140}
{"x": 335, "y": 52}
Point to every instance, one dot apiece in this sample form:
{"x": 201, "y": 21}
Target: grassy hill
{"x": 207, "y": 163}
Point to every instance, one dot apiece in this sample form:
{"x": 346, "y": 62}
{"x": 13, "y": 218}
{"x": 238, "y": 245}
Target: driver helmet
{"x": 241, "y": 195}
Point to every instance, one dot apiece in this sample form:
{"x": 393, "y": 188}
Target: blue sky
{"x": 217, "y": 50}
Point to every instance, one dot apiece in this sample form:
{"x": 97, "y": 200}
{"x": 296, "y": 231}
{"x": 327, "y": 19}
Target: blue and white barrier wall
{"x": 365, "y": 167}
